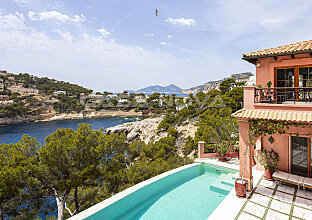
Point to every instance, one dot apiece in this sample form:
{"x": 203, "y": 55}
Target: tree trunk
{"x": 60, "y": 208}
{"x": 60, "y": 202}
{"x": 76, "y": 200}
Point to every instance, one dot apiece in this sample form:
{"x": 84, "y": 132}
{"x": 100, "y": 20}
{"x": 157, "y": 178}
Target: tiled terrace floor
{"x": 271, "y": 201}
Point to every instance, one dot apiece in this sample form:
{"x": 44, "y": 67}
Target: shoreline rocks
{"x": 18, "y": 120}
{"x": 146, "y": 131}
{"x": 99, "y": 114}
{"x": 143, "y": 130}
{"x": 53, "y": 117}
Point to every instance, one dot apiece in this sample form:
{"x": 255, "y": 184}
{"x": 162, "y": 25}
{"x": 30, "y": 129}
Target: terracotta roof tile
{"x": 300, "y": 47}
{"x": 274, "y": 115}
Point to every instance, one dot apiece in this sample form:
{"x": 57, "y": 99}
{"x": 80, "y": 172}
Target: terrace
{"x": 267, "y": 200}
{"x": 284, "y": 95}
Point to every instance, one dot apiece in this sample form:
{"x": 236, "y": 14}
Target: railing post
{"x": 201, "y": 148}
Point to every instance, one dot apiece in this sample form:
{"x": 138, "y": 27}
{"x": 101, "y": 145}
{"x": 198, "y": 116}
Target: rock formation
{"x": 146, "y": 130}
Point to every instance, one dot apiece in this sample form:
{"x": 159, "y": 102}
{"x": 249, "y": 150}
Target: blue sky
{"x": 112, "y": 45}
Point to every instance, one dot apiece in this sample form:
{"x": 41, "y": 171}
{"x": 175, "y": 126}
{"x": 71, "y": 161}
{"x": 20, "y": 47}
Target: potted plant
{"x": 269, "y": 160}
{"x": 223, "y": 151}
{"x": 269, "y": 84}
{"x": 261, "y": 95}
{"x": 269, "y": 93}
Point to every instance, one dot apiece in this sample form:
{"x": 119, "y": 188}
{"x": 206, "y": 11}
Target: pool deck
{"x": 268, "y": 200}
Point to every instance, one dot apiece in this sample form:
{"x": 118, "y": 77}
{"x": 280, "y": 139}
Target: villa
{"x": 283, "y": 95}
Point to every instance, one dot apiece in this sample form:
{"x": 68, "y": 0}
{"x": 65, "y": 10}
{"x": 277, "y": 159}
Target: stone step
{"x": 221, "y": 188}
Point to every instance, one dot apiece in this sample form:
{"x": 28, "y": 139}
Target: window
{"x": 294, "y": 77}
{"x": 305, "y": 77}
{"x": 285, "y": 77}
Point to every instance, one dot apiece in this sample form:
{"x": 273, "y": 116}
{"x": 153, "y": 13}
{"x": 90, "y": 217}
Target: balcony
{"x": 284, "y": 95}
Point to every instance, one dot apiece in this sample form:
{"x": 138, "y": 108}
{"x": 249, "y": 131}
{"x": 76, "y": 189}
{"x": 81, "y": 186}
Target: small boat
{"x": 132, "y": 119}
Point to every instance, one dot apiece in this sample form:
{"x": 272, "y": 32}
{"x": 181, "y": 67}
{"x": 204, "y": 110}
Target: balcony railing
{"x": 282, "y": 95}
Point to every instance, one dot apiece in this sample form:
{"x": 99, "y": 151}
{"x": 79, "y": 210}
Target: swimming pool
{"x": 190, "y": 192}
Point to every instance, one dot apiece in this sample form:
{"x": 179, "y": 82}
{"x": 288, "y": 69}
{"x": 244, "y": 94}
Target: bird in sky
{"x": 156, "y": 12}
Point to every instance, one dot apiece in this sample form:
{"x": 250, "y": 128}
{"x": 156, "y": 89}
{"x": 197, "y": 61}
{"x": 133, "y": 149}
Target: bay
{"x": 41, "y": 130}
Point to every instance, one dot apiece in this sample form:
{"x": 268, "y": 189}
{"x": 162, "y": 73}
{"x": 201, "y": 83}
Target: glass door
{"x": 301, "y": 156}
{"x": 305, "y": 80}
{"x": 285, "y": 78}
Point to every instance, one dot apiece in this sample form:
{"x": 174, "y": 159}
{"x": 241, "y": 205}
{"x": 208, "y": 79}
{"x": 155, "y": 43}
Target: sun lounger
{"x": 307, "y": 183}
{"x": 301, "y": 181}
{"x": 281, "y": 176}
{"x": 288, "y": 178}
{"x": 293, "y": 179}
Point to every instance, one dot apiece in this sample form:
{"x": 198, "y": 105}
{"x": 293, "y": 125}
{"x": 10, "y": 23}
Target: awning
{"x": 274, "y": 115}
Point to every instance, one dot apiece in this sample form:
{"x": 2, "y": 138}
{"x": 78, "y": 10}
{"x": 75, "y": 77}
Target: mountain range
{"x": 160, "y": 89}
{"x": 206, "y": 87}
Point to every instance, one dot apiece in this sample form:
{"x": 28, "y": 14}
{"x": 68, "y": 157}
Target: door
{"x": 301, "y": 156}
{"x": 305, "y": 80}
{"x": 285, "y": 78}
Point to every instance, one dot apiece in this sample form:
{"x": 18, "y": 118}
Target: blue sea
{"x": 40, "y": 130}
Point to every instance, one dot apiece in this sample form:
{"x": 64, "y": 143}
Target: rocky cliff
{"x": 146, "y": 130}
{"x": 206, "y": 87}
{"x": 7, "y": 121}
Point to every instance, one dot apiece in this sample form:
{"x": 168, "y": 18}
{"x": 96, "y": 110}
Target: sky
{"x": 114, "y": 45}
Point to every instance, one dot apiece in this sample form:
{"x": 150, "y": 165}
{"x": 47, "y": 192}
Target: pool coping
{"x": 107, "y": 202}
{"x": 214, "y": 161}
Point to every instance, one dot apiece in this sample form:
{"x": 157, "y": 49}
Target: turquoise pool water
{"x": 192, "y": 193}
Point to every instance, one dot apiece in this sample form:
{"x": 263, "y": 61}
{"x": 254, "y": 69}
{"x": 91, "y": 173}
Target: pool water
{"x": 192, "y": 193}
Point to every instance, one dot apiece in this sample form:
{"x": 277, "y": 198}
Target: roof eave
{"x": 253, "y": 59}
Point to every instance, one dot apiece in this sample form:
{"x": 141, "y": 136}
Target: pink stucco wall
{"x": 265, "y": 72}
{"x": 281, "y": 147}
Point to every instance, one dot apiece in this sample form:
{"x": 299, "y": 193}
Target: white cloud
{"x": 64, "y": 35}
{"x": 147, "y": 35}
{"x": 163, "y": 43}
{"x": 169, "y": 36}
{"x": 104, "y": 32}
{"x": 45, "y": 15}
{"x": 181, "y": 21}
{"x": 12, "y": 21}
{"x": 269, "y": 21}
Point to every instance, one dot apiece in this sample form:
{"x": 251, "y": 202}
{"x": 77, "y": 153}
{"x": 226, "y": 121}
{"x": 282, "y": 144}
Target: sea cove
{"x": 40, "y": 130}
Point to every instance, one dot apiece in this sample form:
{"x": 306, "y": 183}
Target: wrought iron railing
{"x": 280, "y": 95}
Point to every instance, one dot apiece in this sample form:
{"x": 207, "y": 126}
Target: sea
{"x": 40, "y": 130}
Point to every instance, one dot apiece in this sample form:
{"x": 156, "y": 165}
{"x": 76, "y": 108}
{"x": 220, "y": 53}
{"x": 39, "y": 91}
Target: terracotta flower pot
{"x": 222, "y": 159}
{"x": 268, "y": 174}
{"x": 240, "y": 188}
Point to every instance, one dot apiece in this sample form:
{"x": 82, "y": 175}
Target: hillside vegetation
{"x": 79, "y": 168}
{"x": 31, "y": 95}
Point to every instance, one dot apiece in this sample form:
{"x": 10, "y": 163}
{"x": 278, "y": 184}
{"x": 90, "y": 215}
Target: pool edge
{"x": 107, "y": 202}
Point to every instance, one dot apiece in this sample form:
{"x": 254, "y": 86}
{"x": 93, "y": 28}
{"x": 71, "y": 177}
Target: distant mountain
{"x": 160, "y": 89}
{"x": 206, "y": 87}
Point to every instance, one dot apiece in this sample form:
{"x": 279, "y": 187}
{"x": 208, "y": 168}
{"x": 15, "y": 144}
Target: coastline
{"x": 100, "y": 114}
{"x": 4, "y": 122}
